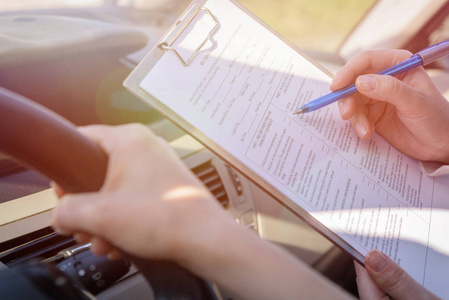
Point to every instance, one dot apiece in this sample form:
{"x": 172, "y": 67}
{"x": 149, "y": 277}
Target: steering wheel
{"x": 46, "y": 142}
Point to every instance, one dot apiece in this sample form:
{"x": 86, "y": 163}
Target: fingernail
{"x": 366, "y": 83}
{"x": 55, "y": 218}
{"x": 361, "y": 130}
{"x": 336, "y": 79}
{"x": 376, "y": 261}
{"x": 79, "y": 238}
{"x": 343, "y": 108}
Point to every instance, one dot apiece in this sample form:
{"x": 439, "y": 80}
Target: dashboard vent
{"x": 42, "y": 243}
{"x": 209, "y": 176}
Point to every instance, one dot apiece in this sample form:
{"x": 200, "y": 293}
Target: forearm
{"x": 252, "y": 268}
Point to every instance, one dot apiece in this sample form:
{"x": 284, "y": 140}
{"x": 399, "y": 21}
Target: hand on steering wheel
{"x": 48, "y": 143}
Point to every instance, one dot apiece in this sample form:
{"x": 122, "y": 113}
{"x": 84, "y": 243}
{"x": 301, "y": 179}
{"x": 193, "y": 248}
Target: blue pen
{"x": 422, "y": 58}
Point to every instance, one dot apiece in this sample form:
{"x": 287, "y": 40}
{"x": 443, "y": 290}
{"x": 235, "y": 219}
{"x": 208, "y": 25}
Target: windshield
{"x": 314, "y": 25}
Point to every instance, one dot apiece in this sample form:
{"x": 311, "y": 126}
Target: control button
{"x": 236, "y": 181}
{"x": 248, "y": 220}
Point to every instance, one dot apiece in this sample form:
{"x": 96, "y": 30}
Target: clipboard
{"x": 233, "y": 83}
{"x": 167, "y": 46}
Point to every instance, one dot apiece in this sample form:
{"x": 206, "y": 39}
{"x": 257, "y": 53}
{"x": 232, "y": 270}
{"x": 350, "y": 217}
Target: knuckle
{"x": 394, "y": 279}
{"x": 363, "y": 58}
{"x": 58, "y": 219}
{"x": 62, "y": 214}
{"x": 366, "y": 54}
{"x": 388, "y": 85}
{"x": 137, "y": 131}
{"x": 134, "y": 136}
{"x": 394, "y": 85}
{"x": 125, "y": 135}
{"x": 404, "y": 53}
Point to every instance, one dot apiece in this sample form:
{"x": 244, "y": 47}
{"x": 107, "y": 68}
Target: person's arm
{"x": 152, "y": 206}
{"x": 411, "y": 114}
{"x": 252, "y": 268}
{"x": 408, "y": 111}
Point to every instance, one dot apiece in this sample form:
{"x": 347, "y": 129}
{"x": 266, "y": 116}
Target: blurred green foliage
{"x": 320, "y": 25}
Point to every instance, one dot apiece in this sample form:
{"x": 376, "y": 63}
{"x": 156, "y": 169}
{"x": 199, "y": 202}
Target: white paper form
{"x": 241, "y": 91}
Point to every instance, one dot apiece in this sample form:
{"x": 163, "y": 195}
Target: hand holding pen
{"x": 422, "y": 58}
{"x": 407, "y": 110}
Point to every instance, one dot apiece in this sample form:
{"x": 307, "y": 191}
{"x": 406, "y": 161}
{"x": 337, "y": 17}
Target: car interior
{"x": 73, "y": 61}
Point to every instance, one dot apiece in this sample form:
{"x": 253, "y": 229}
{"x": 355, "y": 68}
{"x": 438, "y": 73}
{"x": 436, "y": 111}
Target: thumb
{"x": 392, "y": 279}
{"x": 385, "y": 88}
{"x": 78, "y": 213}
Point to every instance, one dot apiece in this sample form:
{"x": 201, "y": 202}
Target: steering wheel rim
{"x": 44, "y": 141}
{"x": 48, "y": 143}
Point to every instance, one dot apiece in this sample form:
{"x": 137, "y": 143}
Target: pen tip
{"x": 298, "y": 112}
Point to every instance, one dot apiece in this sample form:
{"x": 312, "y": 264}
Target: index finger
{"x": 96, "y": 132}
{"x": 109, "y": 137}
{"x": 367, "y": 62}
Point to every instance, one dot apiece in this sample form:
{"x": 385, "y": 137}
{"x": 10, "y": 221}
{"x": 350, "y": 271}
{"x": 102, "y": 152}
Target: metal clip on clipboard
{"x": 183, "y": 24}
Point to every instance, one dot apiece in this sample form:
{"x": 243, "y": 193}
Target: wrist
{"x": 211, "y": 239}
{"x": 248, "y": 267}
